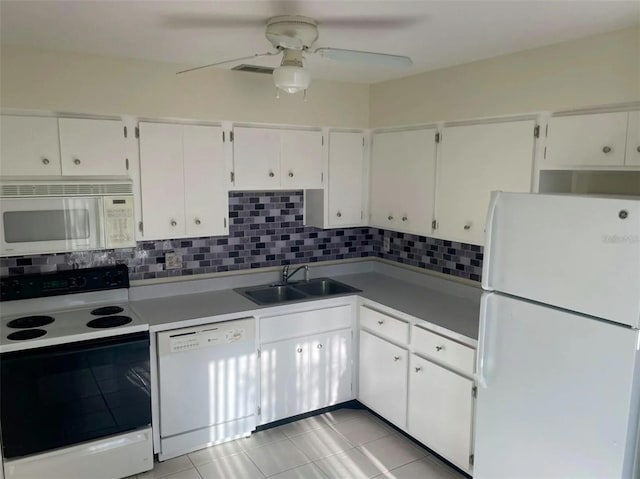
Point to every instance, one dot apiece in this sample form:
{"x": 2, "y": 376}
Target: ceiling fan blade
{"x": 368, "y": 22}
{"x": 228, "y": 61}
{"x": 366, "y": 58}
{"x": 209, "y": 22}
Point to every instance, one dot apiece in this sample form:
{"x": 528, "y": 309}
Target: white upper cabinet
{"x": 301, "y": 159}
{"x": 346, "y": 179}
{"x": 586, "y": 140}
{"x": 474, "y": 161}
{"x": 256, "y": 158}
{"x": 632, "y": 158}
{"x": 269, "y": 158}
{"x": 183, "y": 181}
{"x": 29, "y": 146}
{"x": 403, "y": 179}
{"x": 92, "y": 147}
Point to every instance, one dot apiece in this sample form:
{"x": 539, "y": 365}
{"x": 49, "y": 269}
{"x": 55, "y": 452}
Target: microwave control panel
{"x": 119, "y": 222}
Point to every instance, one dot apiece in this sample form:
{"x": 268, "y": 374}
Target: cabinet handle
{"x": 299, "y": 350}
{"x": 396, "y": 358}
{"x": 271, "y": 174}
{"x": 606, "y": 149}
{"x": 197, "y": 221}
{"x": 381, "y": 322}
{"x": 390, "y": 217}
{"x": 174, "y": 223}
{"x": 319, "y": 346}
{"x": 291, "y": 174}
{"x": 418, "y": 369}
{"x": 338, "y": 214}
{"x": 76, "y": 161}
{"x": 404, "y": 218}
{"x": 45, "y": 161}
{"x": 467, "y": 226}
{"x": 439, "y": 348}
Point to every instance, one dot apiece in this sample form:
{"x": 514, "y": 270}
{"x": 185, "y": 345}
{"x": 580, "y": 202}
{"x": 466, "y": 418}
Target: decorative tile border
{"x": 266, "y": 229}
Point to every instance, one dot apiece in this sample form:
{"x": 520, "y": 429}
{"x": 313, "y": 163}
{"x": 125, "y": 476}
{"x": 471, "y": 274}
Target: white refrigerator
{"x": 558, "y": 355}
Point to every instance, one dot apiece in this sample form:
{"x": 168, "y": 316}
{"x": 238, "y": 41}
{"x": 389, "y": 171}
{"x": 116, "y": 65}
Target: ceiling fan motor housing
{"x": 292, "y": 32}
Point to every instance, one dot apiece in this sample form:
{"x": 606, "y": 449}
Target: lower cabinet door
{"x": 441, "y": 410}
{"x": 330, "y": 369}
{"x": 383, "y": 378}
{"x": 285, "y": 381}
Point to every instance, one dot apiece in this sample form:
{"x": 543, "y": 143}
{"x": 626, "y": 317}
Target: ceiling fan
{"x": 293, "y": 36}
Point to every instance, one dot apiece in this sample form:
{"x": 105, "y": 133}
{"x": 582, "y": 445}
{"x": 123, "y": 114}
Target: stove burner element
{"x": 109, "y": 321}
{"x": 26, "y": 334}
{"x": 107, "y": 310}
{"x": 30, "y": 322}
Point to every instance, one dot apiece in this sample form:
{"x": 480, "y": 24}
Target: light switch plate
{"x": 172, "y": 261}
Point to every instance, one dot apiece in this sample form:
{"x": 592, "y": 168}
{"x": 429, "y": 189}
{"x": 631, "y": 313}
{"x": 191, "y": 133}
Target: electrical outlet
{"x": 172, "y": 261}
{"x": 386, "y": 244}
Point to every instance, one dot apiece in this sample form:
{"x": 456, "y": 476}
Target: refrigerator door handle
{"x": 482, "y": 341}
{"x": 486, "y": 262}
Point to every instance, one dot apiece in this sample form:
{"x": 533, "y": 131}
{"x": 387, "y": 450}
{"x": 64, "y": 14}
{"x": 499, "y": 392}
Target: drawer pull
{"x": 381, "y": 322}
{"x": 418, "y": 369}
{"x": 439, "y": 348}
{"x": 299, "y": 350}
{"x": 389, "y": 217}
{"x": 76, "y": 161}
{"x": 45, "y": 161}
{"x": 319, "y": 346}
{"x": 606, "y": 149}
{"x": 396, "y": 358}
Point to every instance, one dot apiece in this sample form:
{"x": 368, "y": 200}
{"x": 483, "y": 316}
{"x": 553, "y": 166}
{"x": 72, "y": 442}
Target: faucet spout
{"x": 285, "y": 275}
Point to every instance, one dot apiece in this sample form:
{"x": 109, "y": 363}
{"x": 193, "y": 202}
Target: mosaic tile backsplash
{"x": 266, "y": 229}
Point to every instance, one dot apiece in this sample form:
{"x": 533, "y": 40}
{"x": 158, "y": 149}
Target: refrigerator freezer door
{"x": 575, "y": 252}
{"x": 558, "y": 395}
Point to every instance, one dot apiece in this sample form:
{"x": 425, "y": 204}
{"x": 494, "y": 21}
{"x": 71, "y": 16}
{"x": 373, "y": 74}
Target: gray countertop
{"x": 451, "y": 311}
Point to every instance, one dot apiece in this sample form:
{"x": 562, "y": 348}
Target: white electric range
{"x": 74, "y": 373}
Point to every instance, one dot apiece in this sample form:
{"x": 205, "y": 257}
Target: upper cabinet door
{"x": 92, "y": 147}
{"x": 586, "y": 140}
{"x": 474, "y": 161}
{"x": 205, "y": 175}
{"x": 402, "y": 180}
{"x": 29, "y": 146}
{"x": 346, "y": 179}
{"x": 301, "y": 159}
{"x": 632, "y": 157}
{"x": 256, "y": 158}
{"x": 162, "y": 180}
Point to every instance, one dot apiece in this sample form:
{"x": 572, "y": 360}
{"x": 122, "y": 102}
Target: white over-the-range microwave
{"x": 61, "y": 216}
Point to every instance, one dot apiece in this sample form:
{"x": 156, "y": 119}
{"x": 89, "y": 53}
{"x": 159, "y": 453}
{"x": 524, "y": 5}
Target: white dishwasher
{"x": 208, "y": 385}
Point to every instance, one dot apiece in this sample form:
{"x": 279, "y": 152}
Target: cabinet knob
{"x": 197, "y": 221}
{"x": 291, "y": 174}
{"x": 319, "y": 346}
{"x": 439, "y": 348}
{"x": 418, "y": 369}
{"x": 404, "y": 218}
{"x": 606, "y": 149}
{"x": 380, "y": 322}
{"x": 271, "y": 174}
{"x": 467, "y": 226}
{"x": 389, "y": 217}
{"x": 299, "y": 350}
{"x": 76, "y": 161}
{"x": 174, "y": 223}
{"x": 396, "y": 358}
{"x": 338, "y": 214}
{"x": 45, "y": 161}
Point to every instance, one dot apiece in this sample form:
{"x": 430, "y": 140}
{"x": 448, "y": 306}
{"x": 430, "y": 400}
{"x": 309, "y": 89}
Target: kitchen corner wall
{"x": 266, "y": 229}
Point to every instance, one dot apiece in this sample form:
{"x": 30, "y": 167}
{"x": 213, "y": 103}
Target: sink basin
{"x": 324, "y": 287}
{"x": 273, "y": 294}
{"x": 297, "y": 291}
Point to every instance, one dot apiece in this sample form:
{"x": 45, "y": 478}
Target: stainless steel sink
{"x": 300, "y": 290}
{"x": 324, "y": 287}
{"x": 273, "y": 294}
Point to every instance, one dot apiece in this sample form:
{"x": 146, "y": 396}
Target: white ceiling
{"x": 435, "y": 34}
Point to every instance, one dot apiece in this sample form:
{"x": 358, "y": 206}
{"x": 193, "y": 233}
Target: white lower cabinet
{"x": 441, "y": 410}
{"x": 383, "y": 378}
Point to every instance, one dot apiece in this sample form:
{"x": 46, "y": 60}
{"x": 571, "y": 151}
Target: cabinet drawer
{"x": 443, "y": 349}
{"x": 385, "y": 325}
{"x": 304, "y": 323}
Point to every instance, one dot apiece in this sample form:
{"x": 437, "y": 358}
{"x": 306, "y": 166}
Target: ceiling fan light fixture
{"x": 291, "y": 79}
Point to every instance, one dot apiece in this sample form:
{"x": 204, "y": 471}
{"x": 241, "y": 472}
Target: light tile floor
{"x": 342, "y": 444}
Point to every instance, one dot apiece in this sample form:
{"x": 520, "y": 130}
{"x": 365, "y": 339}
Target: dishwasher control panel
{"x": 206, "y": 336}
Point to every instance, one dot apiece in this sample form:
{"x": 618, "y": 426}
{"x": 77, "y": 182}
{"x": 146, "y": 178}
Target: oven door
{"x": 64, "y": 395}
{"x": 50, "y": 225}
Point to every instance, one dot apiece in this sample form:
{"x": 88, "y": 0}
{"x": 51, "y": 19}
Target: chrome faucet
{"x": 285, "y": 275}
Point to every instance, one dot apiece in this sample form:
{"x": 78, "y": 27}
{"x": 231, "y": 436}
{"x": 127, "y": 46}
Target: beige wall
{"x": 593, "y": 71}
{"x": 93, "y": 84}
